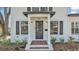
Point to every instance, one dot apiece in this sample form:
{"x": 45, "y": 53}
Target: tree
{"x": 4, "y": 18}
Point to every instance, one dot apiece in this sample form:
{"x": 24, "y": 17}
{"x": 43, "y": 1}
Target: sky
{"x": 73, "y": 10}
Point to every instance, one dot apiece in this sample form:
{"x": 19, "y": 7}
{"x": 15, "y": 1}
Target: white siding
{"x": 17, "y": 15}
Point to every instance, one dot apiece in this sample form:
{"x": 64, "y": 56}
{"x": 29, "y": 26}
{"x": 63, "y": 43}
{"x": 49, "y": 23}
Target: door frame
{"x": 36, "y": 30}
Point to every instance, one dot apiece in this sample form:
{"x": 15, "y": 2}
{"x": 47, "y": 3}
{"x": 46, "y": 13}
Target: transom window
{"x": 56, "y": 27}
{"x": 75, "y": 27}
{"x": 21, "y": 27}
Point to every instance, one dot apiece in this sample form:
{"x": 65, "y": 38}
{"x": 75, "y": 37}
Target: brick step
{"x": 39, "y": 42}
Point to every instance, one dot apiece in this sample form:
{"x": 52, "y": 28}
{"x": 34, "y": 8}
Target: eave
{"x": 51, "y": 13}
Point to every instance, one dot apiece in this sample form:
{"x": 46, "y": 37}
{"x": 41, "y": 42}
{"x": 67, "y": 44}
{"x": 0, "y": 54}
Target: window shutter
{"x": 17, "y": 28}
{"x": 61, "y": 27}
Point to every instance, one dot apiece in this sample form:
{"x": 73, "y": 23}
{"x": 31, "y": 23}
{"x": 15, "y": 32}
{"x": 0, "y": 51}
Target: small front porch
{"x": 38, "y": 32}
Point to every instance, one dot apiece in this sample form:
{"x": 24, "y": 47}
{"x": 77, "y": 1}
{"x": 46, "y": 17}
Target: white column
{"x": 28, "y": 43}
{"x": 49, "y": 39}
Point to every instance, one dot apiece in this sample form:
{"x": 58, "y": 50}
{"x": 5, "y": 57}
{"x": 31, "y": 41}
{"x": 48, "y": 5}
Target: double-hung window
{"x": 21, "y": 27}
{"x": 56, "y": 27}
{"x": 75, "y": 27}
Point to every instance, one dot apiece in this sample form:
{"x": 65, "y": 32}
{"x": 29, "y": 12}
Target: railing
{"x": 39, "y": 9}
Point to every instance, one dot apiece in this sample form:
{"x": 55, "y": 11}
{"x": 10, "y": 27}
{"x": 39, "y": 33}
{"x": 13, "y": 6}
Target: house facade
{"x": 39, "y": 24}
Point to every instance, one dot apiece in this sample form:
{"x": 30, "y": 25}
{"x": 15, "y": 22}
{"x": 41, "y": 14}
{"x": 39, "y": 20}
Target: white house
{"x": 38, "y": 24}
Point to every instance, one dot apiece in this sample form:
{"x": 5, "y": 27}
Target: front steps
{"x": 38, "y": 45}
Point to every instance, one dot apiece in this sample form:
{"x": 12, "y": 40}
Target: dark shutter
{"x": 17, "y": 27}
{"x": 61, "y": 27}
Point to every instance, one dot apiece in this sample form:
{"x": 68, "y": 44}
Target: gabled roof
{"x": 73, "y": 14}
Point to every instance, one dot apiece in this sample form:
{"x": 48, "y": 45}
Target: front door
{"x": 39, "y": 29}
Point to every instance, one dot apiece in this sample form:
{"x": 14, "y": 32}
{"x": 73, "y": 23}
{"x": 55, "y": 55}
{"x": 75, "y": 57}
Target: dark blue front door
{"x": 39, "y": 29}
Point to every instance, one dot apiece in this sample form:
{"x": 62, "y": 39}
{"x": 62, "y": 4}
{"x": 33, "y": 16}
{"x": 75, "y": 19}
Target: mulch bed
{"x": 66, "y": 47}
{"x": 10, "y": 48}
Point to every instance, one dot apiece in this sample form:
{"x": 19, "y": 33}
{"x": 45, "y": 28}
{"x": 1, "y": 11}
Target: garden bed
{"x": 7, "y": 45}
{"x": 11, "y": 48}
{"x": 66, "y": 46}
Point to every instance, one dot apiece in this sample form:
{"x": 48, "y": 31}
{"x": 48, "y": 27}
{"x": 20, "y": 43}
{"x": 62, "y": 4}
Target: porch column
{"x": 28, "y": 43}
{"x": 49, "y": 39}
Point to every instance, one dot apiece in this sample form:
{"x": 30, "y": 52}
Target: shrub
{"x": 53, "y": 40}
{"x": 71, "y": 40}
{"x": 23, "y": 42}
{"x": 62, "y": 40}
{"x": 5, "y": 41}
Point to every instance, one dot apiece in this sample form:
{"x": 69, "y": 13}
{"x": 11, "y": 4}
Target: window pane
{"x": 28, "y": 8}
{"x": 61, "y": 27}
{"x": 54, "y": 27}
{"x": 24, "y": 27}
{"x": 76, "y": 30}
{"x": 72, "y": 30}
{"x": 17, "y": 27}
{"x": 72, "y": 24}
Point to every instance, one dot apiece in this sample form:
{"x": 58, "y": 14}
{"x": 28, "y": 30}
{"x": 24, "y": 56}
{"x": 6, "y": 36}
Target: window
{"x": 24, "y": 27}
{"x": 35, "y": 9}
{"x": 17, "y": 28}
{"x": 28, "y": 8}
{"x": 50, "y": 8}
{"x": 43, "y": 8}
{"x": 21, "y": 27}
{"x": 75, "y": 27}
{"x": 56, "y": 26}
